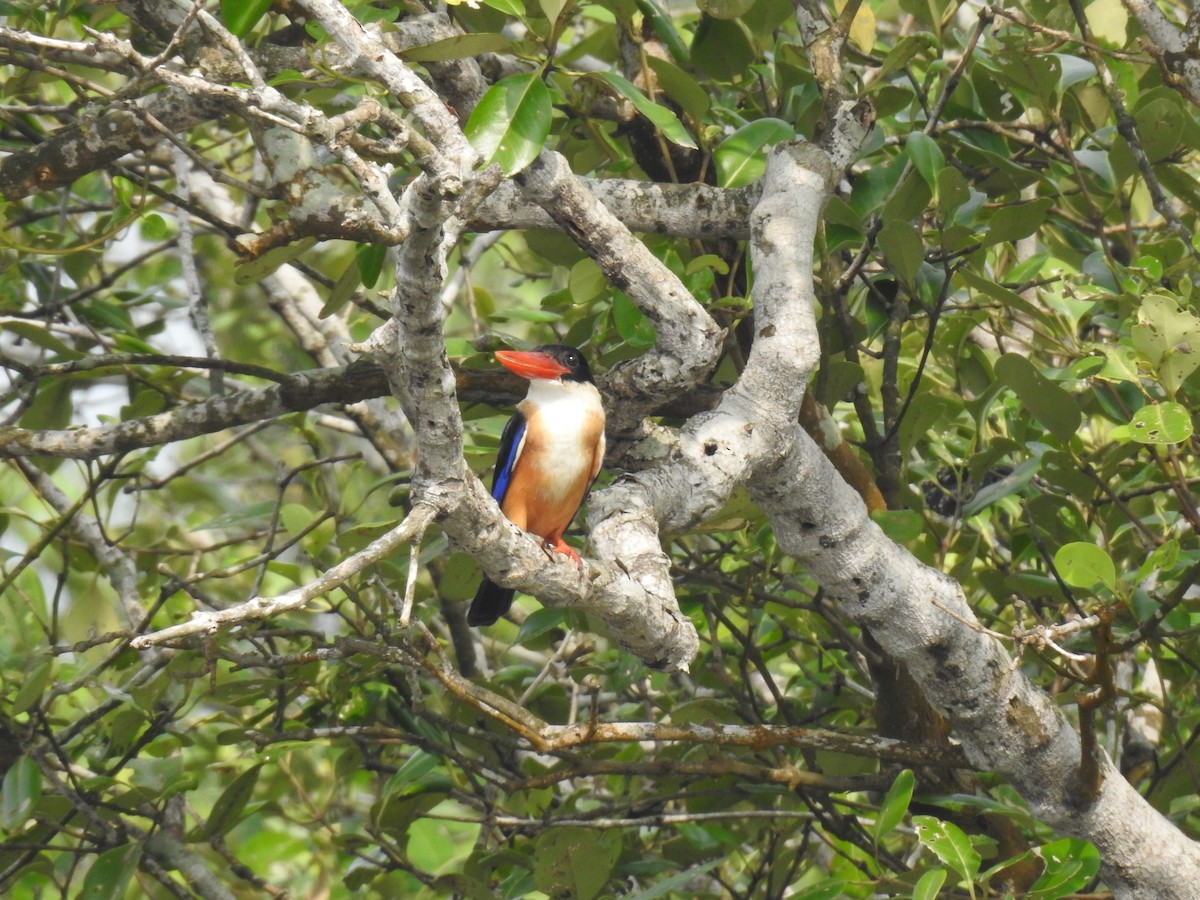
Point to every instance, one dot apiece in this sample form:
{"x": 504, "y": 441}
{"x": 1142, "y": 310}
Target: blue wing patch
{"x": 511, "y": 442}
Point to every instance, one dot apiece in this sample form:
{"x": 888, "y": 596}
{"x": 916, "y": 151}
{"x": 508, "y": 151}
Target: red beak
{"x": 532, "y": 364}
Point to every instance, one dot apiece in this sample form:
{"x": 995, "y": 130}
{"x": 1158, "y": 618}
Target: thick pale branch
{"x": 751, "y": 426}
{"x": 632, "y": 598}
{"x": 1174, "y": 49}
{"x": 302, "y": 391}
{"x": 99, "y": 140}
{"x": 716, "y": 452}
{"x": 1004, "y": 723}
{"x": 411, "y": 349}
{"x": 697, "y": 211}
{"x": 370, "y": 57}
{"x": 362, "y": 379}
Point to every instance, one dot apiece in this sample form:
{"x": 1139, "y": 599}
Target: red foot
{"x": 560, "y": 546}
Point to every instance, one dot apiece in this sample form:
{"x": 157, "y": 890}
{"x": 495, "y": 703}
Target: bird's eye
{"x": 572, "y": 359}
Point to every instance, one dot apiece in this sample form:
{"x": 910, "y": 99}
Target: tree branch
{"x": 1004, "y": 723}
{"x": 687, "y": 340}
{"x": 257, "y": 608}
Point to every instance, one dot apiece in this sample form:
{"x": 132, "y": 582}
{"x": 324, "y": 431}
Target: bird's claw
{"x": 561, "y": 546}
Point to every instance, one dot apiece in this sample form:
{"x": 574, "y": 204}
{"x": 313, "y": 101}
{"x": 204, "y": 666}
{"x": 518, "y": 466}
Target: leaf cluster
{"x": 1009, "y": 344}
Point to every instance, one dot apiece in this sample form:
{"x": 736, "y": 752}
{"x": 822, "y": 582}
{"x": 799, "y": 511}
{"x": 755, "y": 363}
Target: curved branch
{"x": 1174, "y": 49}
{"x": 697, "y": 211}
{"x": 1005, "y": 724}
{"x": 301, "y": 391}
{"x": 204, "y": 622}
{"x": 687, "y": 340}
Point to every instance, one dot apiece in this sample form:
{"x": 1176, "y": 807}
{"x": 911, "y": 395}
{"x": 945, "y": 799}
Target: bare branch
{"x": 687, "y": 340}
{"x": 257, "y": 608}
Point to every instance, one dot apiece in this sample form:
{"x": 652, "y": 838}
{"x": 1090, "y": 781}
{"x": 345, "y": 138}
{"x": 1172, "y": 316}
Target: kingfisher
{"x": 550, "y": 454}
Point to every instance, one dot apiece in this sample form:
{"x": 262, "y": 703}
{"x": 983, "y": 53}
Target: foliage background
{"x": 1005, "y": 283}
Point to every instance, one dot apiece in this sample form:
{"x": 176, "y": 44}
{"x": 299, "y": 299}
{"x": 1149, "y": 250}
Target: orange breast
{"x": 552, "y": 475}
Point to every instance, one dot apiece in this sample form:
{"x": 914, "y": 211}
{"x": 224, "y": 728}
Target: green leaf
{"x": 826, "y": 889}
{"x": 1156, "y": 423}
{"x": 895, "y": 804}
{"x": 42, "y": 337}
{"x": 929, "y": 884}
{"x": 631, "y": 323}
{"x": 295, "y": 517}
{"x": 1108, "y": 20}
{"x": 679, "y": 880}
{"x": 1163, "y": 558}
{"x": 1045, "y": 400}
{"x": 988, "y": 286}
{"x": 664, "y": 120}
{"x": 573, "y": 862}
{"x": 864, "y": 28}
{"x": 586, "y": 282}
{"x": 909, "y": 200}
{"x": 108, "y": 314}
{"x": 722, "y": 49}
{"x": 1121, "y": 160}
{"x": 951, "y": 189}
{"x": 1169, "y": 339}
{"x": 513, "y": 8}
{"x": 1035, "y": 73}
{"x": 529, "y": 315}
{"x": 240, "y": 16}
{"x": 460, "y": 46}
{"x": 926, "y": 156}
{"x": 742, "y": 157}
{"x": 950, "y": 845}
{"x": 1120, "y": 364}
{"x": 370, "y": 259}
{"x": 1011, "y": 223}
{"x": 1071, "y": 864}
{"x": 707, "y": 261}
{"x": 540, "y": 622}
{"x": 681, "y": 87}
{"x": 253, "y": 513}
{"x": 111, "y": 873}
{"x": 163, "y": 777}
{"x": 901, "y": 245}
{"x": 227, "y": 811}
{"x": 1014, "y": 482}
{"x": 900, "y": 525}
{"x": 1085, "y": 565}
{"x": 51, "y": 407}
{"x": 258, "y": 269}
{"x": 664, "y": 28}
{"x": 725, "y": 9}
{"x": 511, "y": 123}
{"x": 21, "y": 790}
{"x": 1160, "y": 127}
{"x": 903, "y": 52}
{"x": 33, "y": 685}
{"x": 889, "y": 99}
{"x": 925, "y": 412}
{"x": 343, "y": 290}
{"x": 552, "y": 9}
{"x": 1072, "y": 70}
{"x": 412, "y": 772}
{"x": 154, "y": 227}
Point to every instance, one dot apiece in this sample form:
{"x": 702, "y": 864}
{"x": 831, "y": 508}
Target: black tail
{"x": 490, "y": 603}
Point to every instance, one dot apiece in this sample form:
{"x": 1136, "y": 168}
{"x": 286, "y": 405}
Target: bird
{"x": 550, "y": 453}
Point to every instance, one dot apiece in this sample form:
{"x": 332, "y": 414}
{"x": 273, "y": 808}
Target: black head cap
{"x": 572, "y": 358}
